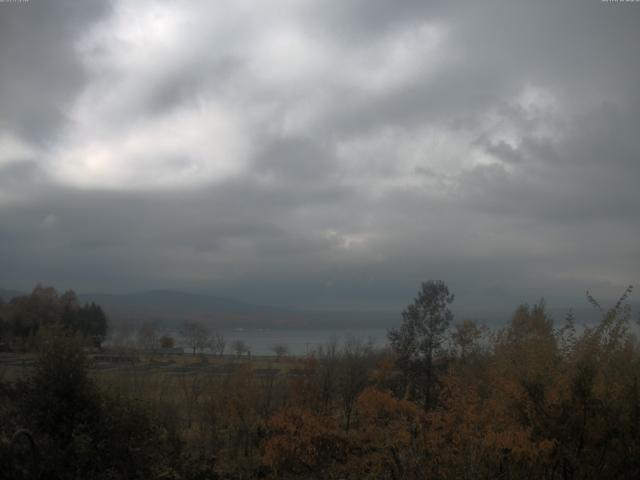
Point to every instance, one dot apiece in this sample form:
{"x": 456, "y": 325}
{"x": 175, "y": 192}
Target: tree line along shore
{"x": 445, "y": 399}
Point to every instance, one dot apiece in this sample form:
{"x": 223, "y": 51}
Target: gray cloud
{"x": 311, "y": 154}
{"x": 40, "y": 71}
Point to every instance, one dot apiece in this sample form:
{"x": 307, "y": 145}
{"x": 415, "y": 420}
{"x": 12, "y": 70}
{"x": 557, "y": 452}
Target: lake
{"x": 299, "y": 341}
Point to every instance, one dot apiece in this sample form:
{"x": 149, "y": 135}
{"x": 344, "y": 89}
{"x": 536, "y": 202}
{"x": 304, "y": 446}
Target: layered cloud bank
{"x": 304, "y": 153}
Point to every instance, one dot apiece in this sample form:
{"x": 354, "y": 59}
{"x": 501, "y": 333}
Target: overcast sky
{"x": 317, "y": 153}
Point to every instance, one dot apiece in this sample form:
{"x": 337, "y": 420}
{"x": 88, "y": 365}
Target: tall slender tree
{"x": 418, "y": 340}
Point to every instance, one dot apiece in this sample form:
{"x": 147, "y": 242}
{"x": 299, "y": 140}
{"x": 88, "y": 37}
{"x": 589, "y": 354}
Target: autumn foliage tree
{"x": 530, "y": 400}
{"x": 536, "y": 398}
{"x": 302, "y": 442}
{"x": 80, "y": 431}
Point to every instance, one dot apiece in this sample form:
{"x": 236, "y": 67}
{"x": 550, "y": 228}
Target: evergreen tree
{"x": 419, "y": 338}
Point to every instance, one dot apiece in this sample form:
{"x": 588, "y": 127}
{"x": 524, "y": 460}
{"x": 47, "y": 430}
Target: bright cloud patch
{"x": 142, "y": 123}
{"x": 13, "y": 149}
{"x": 185, "y": 148}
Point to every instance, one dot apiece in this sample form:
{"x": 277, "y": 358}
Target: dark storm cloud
{"x": 316, "y": 154}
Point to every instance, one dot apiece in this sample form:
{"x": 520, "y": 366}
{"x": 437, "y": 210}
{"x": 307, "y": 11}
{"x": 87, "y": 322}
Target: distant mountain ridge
{"x": 172, "y": 307}
{"x": 7, "y": 295}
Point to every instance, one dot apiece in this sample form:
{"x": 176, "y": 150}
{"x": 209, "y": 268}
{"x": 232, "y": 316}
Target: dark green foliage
{"x": 419, "y": 338}
{"x": 8, "y": 427}
{"x": 24, "y": 316}
{"x": 79, "y": 432}
{"x": 89, "y": 320}
{"x": 60, "y": 396}
{"x": 28, "y": 313}
{"x": 126, "y": 442}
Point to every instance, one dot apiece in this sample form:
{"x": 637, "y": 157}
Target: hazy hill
{"x": 7, "y": 295}
{"x": 172, "y": 307}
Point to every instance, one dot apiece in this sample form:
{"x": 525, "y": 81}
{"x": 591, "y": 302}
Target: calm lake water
{"x": 299, "y": 342}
